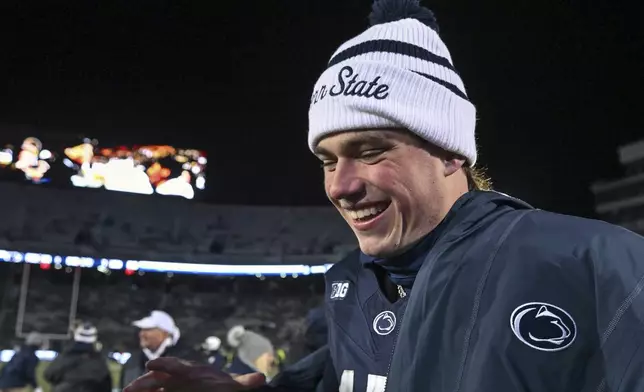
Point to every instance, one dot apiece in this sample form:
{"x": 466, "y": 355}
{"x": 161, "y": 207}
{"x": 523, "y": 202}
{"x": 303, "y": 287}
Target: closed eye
{"x": 328, "y": 165}
{"x": 371, "y": 156}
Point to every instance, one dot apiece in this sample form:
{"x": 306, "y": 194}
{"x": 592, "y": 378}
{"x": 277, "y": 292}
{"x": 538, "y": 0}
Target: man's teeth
{"x": 365, "y": 213}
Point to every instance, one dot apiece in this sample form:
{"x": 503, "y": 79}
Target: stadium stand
{"x": 101, "y": 224}
{"x": 109, "y": 224}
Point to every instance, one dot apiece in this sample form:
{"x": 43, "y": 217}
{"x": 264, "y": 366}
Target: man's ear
{"x": 452, "y": 165}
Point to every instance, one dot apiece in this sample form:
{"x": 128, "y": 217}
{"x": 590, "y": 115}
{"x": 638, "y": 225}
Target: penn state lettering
{"x": 350, "y": 84}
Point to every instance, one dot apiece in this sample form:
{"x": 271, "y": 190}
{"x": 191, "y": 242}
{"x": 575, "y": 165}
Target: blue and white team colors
{"x": 508, "y": 298}
{"x": 363, "y": 329}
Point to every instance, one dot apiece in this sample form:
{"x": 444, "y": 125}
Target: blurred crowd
{"x": 125, "y": 226}
{"x": 240, "y": 325}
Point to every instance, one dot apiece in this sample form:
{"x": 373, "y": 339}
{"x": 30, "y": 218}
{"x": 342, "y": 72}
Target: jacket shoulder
{"x": 579, "y": 238}
{"x": 592, "y": 265}
{"x": 345, "y": 269}
{"x": 185, "y": 351}
{"x": 582, "y": 254}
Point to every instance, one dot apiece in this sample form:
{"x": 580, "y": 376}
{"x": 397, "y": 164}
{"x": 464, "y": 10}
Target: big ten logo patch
{"x": 339, "y": 290}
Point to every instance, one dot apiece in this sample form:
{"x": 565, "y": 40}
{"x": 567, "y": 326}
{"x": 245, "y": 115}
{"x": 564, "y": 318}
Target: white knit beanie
{"x": 250, "y": 346}
{"x": 85, "y": 333}
{"x": 396, "y": 74}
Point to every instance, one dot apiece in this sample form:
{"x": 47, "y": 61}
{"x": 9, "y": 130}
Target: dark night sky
{"x": 557, "y": 84}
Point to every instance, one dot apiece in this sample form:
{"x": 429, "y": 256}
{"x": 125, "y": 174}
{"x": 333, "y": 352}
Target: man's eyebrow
{"x": 354, "y": 143}
{"x": 320, "y": 151}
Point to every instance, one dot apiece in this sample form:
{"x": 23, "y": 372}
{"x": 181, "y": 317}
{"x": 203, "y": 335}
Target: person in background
{"x": 20, "y": 373}
{"x": 81, "y": 367}
{"x": 212, "y": 347}
{"x": 280, "y": 359}
{"x": 253, "y": 352}
{"x": 159, "y": 336}
{"x": 314, "y": 336}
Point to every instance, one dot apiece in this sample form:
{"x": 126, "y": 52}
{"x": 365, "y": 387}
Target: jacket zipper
{"x": 431, "y": 261}
{"x": 402, "y": 294}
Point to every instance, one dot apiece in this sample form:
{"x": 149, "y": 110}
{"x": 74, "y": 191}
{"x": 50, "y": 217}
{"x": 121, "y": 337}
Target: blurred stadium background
{"x": 69, "y": 254}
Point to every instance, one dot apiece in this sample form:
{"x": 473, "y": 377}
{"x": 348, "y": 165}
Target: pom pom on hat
{"x": 235, "y": 336}
{"x": 385, "y": 11}
{"x": 85, "y": 333}
{"x": 397, "y": 74}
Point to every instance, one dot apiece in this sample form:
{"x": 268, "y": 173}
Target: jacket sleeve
{"x": 618, "y": 261}
{"x": 106, "y": 383}
{"x": 54, "y": 372}
{"x": 131, "y": 370}
{"x": 311, "y": 374}
{"x": 30, "y": 371}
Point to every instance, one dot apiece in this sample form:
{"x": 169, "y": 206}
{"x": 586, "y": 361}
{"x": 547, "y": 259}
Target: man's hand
{"x": 176, "y": 375}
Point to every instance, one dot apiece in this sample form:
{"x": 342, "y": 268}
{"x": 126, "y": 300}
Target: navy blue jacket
{"x": 517, "y": 299}
{"x": 20, "y": 372}
{"x": 79, "y": 368}
{"x": 507, "y": 298}
{"x": 217, "y": 360}
{"x": 236, "y": 366}
{"x": 314, "y": 337}
{"x": 308, "y": 374}
{"x": 316, "y": 332}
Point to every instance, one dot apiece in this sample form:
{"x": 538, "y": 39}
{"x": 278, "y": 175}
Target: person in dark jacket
{"x": 212, "y": 348}
{"x": 253, "y": 352}
{"x": 455, "y": 288}
{"x": 20, "y": 372}
{"x": 316, "y": 333}
{"x": 159, "y": 337}
{"x": 80, "y": 367}
{"x": 314, "y": 336}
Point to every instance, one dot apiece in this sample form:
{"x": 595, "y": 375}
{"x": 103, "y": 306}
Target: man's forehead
{"x": 352, "y": 139}
{"x": 152, "y": 329}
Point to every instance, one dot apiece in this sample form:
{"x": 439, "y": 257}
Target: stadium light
{"x": 49, "y": 355}
{"x": 131, "y": 266}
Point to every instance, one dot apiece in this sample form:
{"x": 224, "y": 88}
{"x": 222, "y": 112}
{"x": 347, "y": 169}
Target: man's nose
{"x": 345, "y": 183}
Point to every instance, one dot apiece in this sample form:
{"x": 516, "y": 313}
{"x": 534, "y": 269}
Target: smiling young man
{"x": 495, "y": 295}
{"x": 390, "y": 186}
{"x": 454, "y": 288}
{"x": 394, "y": 189}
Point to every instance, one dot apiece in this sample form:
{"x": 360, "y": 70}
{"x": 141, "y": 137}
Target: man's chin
{"x": 377, "y": 248}
{"x": 382, "y": 247}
